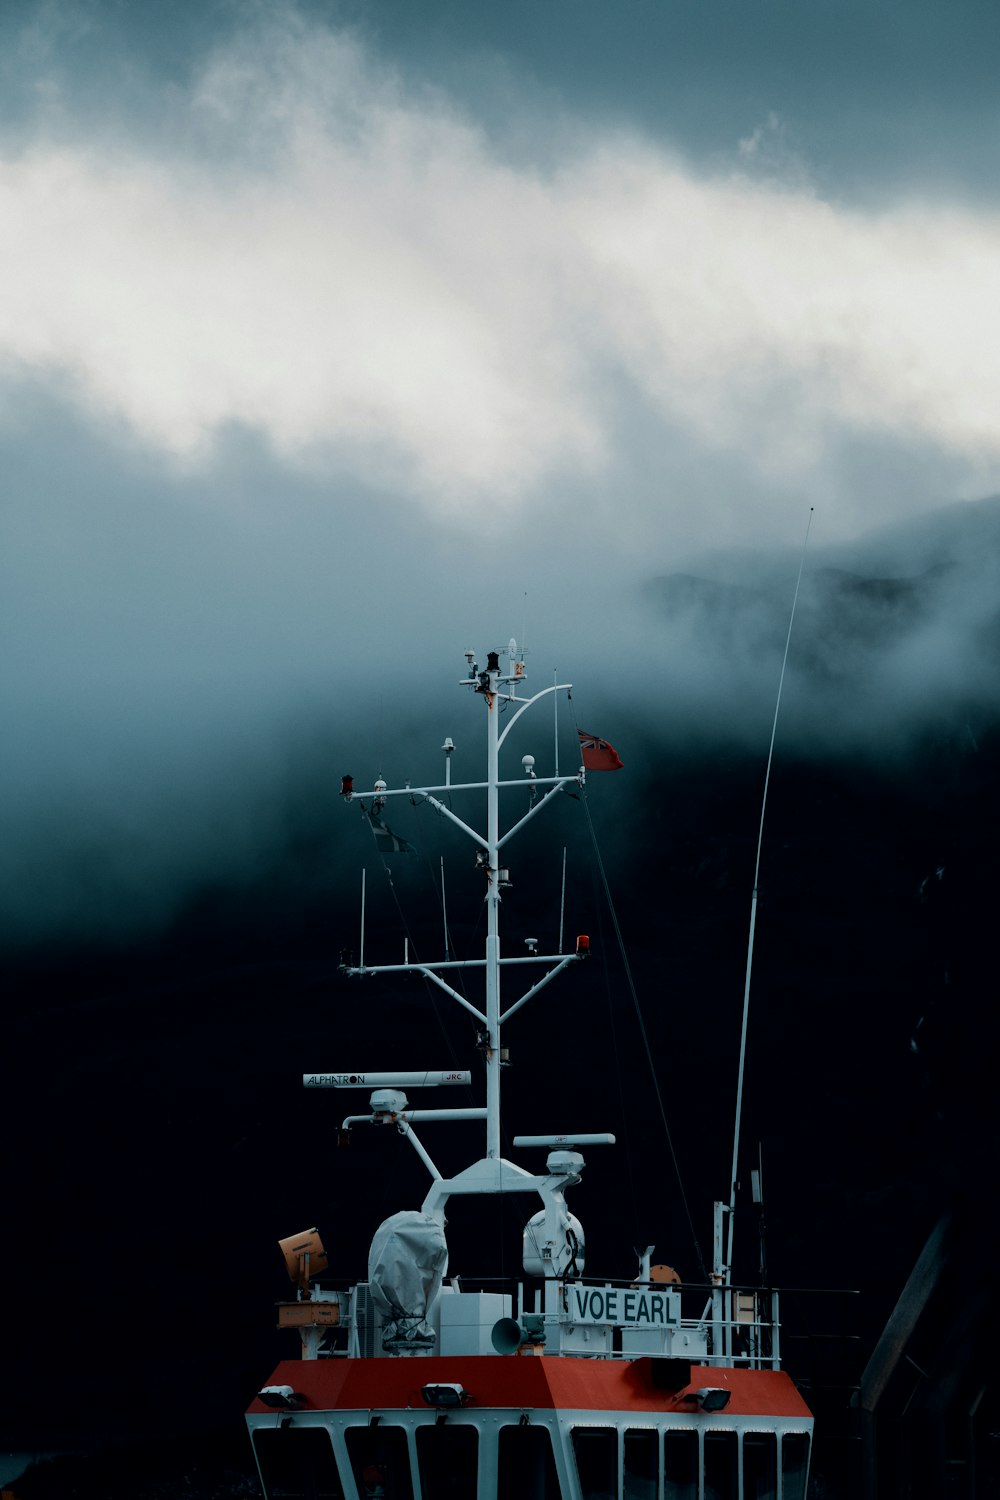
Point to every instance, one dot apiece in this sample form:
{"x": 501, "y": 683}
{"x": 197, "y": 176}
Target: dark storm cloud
{"x": 874, "y": 98}
{"x": 278, "y": 230}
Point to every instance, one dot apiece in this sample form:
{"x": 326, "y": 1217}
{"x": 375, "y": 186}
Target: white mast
{"x": 495, "y": 687}
{"x": 492, "y": 906}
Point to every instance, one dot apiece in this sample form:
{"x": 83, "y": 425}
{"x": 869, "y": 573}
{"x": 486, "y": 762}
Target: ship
{"x": 417, "y": 1384}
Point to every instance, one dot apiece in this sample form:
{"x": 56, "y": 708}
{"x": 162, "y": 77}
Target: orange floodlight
{"x": 304, "y": 1256}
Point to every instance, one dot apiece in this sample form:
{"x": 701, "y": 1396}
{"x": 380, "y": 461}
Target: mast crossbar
{"x": 360, "y": 971}
{"x": 448, "y": 786}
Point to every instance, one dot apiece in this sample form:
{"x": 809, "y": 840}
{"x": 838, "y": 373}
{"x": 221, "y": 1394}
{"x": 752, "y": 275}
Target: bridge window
{"x": 448, "y": 1456}
{"x": 380, "y": 1461}
{"x": 527, "y": 1464}
{"x": 721, "y": 1478}
{"x": 641, "y": 1462}
{"x": 296, "y": 1463}
{"x": 794, "y": 1465}
{"x": 596, "y": 1453}
{"x": 680, "y": 1464}
{"x": 760, "y": 1466}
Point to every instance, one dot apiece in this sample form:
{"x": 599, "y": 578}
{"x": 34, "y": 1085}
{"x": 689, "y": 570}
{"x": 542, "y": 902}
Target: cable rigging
{"x": 644, "y": 1034}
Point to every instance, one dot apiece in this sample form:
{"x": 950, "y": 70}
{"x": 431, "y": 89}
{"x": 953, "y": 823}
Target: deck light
{"x": 444, "y": 1396}
{"x": 280, "y": 1397}
{"x": 305, "y": 1256}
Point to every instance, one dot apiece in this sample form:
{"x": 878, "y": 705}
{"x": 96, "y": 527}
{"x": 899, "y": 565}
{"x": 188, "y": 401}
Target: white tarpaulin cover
{"x": 406, "y": 1266}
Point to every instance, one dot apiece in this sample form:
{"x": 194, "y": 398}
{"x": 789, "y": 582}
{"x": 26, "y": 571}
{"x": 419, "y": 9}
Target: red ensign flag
{"x": 598, "y": 755}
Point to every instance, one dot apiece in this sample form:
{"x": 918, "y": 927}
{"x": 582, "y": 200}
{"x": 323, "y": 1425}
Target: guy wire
{"x": 643, "y": 1033}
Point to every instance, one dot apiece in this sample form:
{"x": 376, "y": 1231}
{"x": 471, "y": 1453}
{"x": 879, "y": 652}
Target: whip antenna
{"x": 753, "y": 915}
{"x": 444, "y": 913}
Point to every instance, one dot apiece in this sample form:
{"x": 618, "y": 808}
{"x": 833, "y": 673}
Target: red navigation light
{"x": 346, "y": 786}
{"x": 583, "y": 945}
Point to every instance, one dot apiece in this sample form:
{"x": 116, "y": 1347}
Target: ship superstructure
{"x": 417, "y": 1385}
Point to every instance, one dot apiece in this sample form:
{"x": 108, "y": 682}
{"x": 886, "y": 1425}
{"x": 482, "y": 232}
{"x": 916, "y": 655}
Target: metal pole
{"x": 444, "y": 910}
{"x": 718, "y": 1279}
{"x": 492, "y": 921}
{"x": 555, "y": 719}
{"x": 362, "y": 964}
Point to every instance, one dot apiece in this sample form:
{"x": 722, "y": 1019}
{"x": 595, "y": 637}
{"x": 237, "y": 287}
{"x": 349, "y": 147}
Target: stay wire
{"x": 637, "y": 1228}
{"x": 643, "y": 1033}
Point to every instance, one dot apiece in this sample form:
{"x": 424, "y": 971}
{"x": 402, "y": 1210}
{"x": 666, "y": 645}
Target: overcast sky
{"x": 334, "y": 337}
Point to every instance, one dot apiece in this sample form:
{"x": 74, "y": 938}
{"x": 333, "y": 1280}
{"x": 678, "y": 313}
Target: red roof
{"x": 528, "y": 1381}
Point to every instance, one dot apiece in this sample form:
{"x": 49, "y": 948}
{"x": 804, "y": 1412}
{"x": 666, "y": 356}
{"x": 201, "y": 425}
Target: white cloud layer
{"x": 328, "y": 256}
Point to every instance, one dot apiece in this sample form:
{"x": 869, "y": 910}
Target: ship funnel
{"x": 508, "y": 1334}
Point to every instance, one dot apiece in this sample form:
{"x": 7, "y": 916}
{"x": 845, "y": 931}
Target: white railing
{"x": 738, "y": 1327}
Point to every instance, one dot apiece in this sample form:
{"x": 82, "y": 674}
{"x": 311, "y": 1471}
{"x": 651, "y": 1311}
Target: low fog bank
{"x": 188, "y": 681}
{"x": 894, "y": 639}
